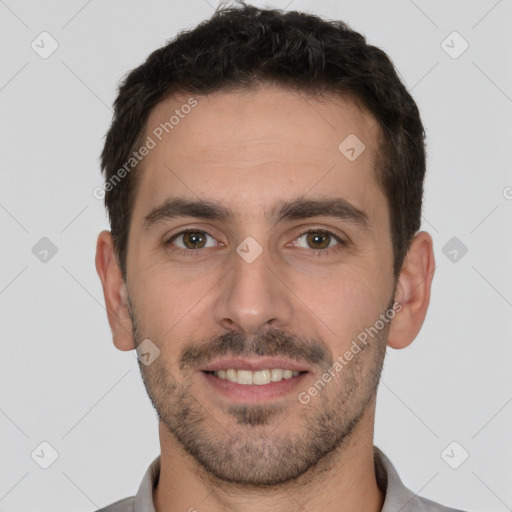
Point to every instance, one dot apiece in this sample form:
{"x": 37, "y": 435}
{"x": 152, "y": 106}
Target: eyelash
{"x": 324, "y": 252}
{"x": 316, "y": 252}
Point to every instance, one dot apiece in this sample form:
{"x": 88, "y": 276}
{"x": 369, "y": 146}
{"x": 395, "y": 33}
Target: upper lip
{"x": 263, "y": 363}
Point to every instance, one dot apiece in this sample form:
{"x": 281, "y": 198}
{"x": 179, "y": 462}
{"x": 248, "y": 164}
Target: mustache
{"x": 270, "y": 343}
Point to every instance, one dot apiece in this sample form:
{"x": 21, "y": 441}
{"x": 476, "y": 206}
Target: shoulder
{"x": 426, "y": 505}
{"x": 125, "y": 505}
{"x": 397, "y": 496}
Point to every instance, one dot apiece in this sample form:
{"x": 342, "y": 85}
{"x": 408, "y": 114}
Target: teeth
{"x": 276, "y": 374}
{"x": 287, "y": 374}
{"x": 258, "y": 377}
{"x": 244, "y": 377}
{"x": 231, "y": 375}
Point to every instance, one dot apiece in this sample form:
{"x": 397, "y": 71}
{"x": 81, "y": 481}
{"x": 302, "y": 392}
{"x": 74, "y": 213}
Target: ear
{"x": 413, "y": 291}
{"x": 115, "y": 292}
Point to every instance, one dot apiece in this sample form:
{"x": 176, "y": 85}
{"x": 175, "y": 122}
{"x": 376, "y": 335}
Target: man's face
{"x": 300, "y": 288}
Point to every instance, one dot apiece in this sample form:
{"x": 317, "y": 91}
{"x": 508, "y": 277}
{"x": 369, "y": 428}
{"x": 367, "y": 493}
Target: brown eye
{"x": 317, "y": 239}
{"x": 192, "y": 239}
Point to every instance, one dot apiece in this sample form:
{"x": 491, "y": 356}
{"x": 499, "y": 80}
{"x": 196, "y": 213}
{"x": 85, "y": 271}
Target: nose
{"x": 254, "y": 296}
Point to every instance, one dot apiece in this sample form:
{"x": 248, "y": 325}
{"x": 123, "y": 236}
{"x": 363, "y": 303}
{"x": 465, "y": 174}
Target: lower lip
{"x": 254, "y": 393}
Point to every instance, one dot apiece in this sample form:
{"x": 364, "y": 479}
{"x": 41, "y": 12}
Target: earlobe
{"x": 413, "y": 291}
{"x": 114, "y": 291}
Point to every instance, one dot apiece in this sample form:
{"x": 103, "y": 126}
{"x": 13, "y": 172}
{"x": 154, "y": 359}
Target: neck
{"x": 343, "y": 480}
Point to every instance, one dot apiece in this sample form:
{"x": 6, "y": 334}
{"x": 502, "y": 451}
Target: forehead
{"x": 251, "y": 148}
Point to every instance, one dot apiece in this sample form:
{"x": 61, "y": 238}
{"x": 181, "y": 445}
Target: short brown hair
{"x": 244, "y": 45}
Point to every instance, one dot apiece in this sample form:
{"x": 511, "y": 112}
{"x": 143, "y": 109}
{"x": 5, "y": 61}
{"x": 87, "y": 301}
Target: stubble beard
{"x": 251, "y": 446}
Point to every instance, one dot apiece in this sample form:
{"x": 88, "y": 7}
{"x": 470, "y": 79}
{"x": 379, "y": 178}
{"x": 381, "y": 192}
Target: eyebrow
{"x": 299, "y": 208}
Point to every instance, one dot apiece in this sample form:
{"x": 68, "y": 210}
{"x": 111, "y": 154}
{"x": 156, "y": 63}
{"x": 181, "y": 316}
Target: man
{"x": 264, "y": 178}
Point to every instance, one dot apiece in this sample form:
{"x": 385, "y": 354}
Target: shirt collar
{"x": 144, "y": 496}
{"x": 397, "y": 496}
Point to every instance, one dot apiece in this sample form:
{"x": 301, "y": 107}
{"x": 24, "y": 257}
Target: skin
{"x": 250, "y": 150}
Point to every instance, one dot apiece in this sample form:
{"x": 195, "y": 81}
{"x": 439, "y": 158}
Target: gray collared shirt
{"x": 397, "y": 497}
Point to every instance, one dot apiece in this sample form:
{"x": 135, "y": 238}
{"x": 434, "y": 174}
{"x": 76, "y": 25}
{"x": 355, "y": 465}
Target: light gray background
{"x": 61, "y": 379}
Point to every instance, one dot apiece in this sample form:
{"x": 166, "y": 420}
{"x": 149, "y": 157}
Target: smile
{"x": 259, "y": 377}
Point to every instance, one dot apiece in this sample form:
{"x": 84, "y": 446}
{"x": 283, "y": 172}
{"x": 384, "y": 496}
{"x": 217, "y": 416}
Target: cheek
{"x": 163, "y": 300}
{"x": 346, "y": 302}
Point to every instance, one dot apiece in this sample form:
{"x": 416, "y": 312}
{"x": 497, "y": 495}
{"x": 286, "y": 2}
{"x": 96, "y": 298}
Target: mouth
{"x": 254, "y": 381}
{"x": 258, "y": 378}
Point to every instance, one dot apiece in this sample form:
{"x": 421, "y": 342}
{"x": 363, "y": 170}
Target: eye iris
{"x": 195, "y": 238}
{"x": 316, "y": 237}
